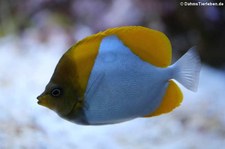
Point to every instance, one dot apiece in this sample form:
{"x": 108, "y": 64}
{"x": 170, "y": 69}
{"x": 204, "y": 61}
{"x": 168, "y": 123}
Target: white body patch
{"x": 121, "y": 85}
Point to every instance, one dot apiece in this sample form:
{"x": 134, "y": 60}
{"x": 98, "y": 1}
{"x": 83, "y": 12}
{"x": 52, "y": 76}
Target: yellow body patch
{"x": 172, "y": 99}
{"x": 83, "y": 55}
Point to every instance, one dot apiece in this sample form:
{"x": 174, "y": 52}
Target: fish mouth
{"x": 41, "y": 101}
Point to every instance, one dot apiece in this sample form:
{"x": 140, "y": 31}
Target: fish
{"x": 118, "y": 75}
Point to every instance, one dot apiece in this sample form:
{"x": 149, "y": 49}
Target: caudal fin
{"x": 187, "y": 69}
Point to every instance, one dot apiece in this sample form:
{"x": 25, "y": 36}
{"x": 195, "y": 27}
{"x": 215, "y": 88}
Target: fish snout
{"x": 40, "y": 100}
{"x": 38, "y": 97}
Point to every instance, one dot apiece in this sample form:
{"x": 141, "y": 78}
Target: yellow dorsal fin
{"x": 150, "y": 45}
{"x": 172, "y": 99}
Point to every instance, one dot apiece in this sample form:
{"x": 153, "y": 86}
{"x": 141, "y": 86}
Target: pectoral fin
{"x": 93, "y": 84}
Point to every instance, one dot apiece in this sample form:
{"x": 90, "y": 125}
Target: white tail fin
{"x": 187, "y": 70}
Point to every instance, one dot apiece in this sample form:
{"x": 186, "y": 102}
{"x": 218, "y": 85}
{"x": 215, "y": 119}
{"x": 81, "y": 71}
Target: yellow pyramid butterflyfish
{"x": 117, "y": 75}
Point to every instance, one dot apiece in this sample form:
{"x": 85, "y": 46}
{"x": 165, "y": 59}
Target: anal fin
{"x": 172, "y": 99}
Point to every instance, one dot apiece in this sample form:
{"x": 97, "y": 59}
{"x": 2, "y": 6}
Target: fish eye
{"x": 56, "y": 92}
